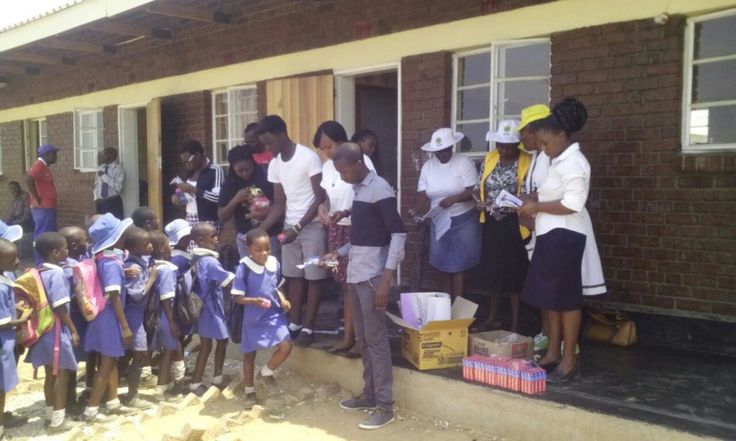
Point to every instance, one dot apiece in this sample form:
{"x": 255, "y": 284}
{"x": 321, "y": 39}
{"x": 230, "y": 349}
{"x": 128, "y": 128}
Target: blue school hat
{"x": 10, "y": 233}
{"x": 176, "y": 230}
{"x": 47, "y": 148}
{"x": 106, "y": 231}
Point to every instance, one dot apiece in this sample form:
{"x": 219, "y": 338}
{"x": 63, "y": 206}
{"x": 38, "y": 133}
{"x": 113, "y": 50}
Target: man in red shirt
{"x": 40, "y": 183}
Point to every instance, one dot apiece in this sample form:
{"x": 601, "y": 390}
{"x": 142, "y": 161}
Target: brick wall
{"x": 11, "y": 137}
{"x": 664, "y": 221}
{"x": 426, "y": 97}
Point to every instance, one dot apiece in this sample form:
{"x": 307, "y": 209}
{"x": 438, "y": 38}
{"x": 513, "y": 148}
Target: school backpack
{"x": 187, "y": 304}
{"x": 30, "y": 293}
{"x": 88, "y": 289}
{"x": 151, "y": 318}
{"x": 234, "y": 316}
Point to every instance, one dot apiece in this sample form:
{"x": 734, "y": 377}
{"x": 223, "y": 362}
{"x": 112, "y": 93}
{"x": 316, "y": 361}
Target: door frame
{"x": 341, "y": 111}
{"x": 131, "y": 182}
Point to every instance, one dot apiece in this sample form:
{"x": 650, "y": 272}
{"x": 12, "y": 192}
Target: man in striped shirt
{"x": 202, "y": 187}
{"x": 375, "y": 250}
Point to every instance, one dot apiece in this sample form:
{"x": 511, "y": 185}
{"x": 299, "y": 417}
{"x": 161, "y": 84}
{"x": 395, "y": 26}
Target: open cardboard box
{"x": 439, "y": 344}
{"x": 492, "y": 343}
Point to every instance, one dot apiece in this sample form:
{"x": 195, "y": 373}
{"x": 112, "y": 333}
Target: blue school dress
{"x": 165, "y": 289}
{"x": 262, "y": 328}
{"x": 211, "y": 278}
{"x": 74, "y": 313}
{"x": 104, "y": 334}
{"x": 57, "y": 292}
{"x": 135, "y": 305}
{"x": 8, "y": 371}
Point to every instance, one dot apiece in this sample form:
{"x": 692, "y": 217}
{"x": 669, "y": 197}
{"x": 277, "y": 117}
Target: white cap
{"x": 507, "y": 132}
{"x": 441, "y": 139}
{"x": 176, "y": 230}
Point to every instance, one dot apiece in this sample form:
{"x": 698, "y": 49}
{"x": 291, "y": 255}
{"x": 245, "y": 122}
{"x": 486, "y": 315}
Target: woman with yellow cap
{"x": 504, "y": 168}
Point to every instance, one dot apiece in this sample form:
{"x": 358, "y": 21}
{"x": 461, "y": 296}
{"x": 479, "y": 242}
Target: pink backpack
{"x": 87, "y": 289}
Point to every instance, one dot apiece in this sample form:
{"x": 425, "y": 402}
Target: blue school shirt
{"x": 7, "y": 307}
{"x": 211, "y": 278}
{"x": 182, "y": 260}
{"x": 111, "y": 275}
{"x": 165, "y": 285}
{"x": 56, "y": 284}
{"x": 254, "y": 280}
{"x": 135, "y": 286}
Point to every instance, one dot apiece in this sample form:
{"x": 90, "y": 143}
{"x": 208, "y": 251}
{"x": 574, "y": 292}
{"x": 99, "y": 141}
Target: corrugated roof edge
{"x": 54, "y": 10}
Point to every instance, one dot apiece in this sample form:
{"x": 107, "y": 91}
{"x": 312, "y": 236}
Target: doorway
{"x": 134, "y": 156}
{"x": 369, "y": 100}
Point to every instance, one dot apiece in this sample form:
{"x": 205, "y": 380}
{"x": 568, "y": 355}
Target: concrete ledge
{"x": 483, "y": 409}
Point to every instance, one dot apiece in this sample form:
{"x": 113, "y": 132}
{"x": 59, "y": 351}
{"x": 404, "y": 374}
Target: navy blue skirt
{"x": 459, "y": 249}
{"x": 554, "y": 278}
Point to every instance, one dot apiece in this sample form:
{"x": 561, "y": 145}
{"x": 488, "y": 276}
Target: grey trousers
{"x": 371, "y": 335}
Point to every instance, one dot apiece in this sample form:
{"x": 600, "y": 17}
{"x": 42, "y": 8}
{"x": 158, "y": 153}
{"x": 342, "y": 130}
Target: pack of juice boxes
{"x": 509, "y": 373}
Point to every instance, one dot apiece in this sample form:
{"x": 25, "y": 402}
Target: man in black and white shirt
{"x": 202, "y": 188}
{"x": 109, "y": 184}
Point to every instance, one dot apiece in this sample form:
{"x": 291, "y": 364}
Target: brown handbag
{"x": 610, "y": 326}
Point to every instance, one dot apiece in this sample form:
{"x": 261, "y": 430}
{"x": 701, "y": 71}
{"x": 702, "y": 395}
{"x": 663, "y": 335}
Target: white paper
{"x": 176, "y": 180}
{"x": 441, "y": 220}
{"x": 420, "y": 308}
{"x": 506, "y": 199}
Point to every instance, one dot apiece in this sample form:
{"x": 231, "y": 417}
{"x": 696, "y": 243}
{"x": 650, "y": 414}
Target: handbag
{"x": 610, "y": 326}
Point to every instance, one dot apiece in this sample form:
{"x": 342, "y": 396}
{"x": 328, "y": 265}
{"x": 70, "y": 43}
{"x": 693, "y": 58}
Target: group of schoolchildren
{"x": 156, "y": 289}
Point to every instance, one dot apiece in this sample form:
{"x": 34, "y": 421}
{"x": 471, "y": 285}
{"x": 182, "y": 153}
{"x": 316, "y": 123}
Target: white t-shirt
{"x": 339, "y": 192}
{"x": 568, "y": 181}
{"x": 191, "y": 207}
{"x": 294, "y": 175}
{"x": 440, "y": 180}
{"x": 538, "y": 172}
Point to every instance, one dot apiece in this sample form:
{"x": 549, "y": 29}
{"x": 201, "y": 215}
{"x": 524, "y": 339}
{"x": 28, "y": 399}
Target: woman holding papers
{"x": 445, "y": 196}
{"x": 503, "y": 174}
{"x": 554, "y": 283}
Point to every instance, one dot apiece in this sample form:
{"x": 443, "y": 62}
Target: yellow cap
{"x": 533, "y": 113}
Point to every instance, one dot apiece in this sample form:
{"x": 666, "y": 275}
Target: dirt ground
{"x": 293, "y": 409}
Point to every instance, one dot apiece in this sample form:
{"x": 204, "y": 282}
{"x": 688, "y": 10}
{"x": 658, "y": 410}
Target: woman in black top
{"x": 244, "y": 181}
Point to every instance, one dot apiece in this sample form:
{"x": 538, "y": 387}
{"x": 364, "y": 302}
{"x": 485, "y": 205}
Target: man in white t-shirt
{"x": 296, "y": 173}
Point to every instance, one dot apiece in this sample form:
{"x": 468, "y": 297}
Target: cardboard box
{"x": 439, "y": 344}
{"x": 490, "y": 343}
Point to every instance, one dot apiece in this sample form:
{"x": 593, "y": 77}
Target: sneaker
{"x": 224, "y": 383}
{"x": 250, "y": 401}
{"x": 65, "y": 426}
{"x": 304, "y": 339}
{"x": 137, "y": 402}
{"x": 200, "y": 390}
{"x": 541, "y": 342}
{"x": 120, "y": 410}
{"x": 170, "y": 396}
{"x": 378, "y": 419}
{"x": 294, "y": 334}
{"x": 14, "y": 420}
{"x": 96, "y": 418}
{"x": 357, "y": 403}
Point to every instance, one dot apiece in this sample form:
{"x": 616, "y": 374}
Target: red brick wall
{"x": 11, "y": 136}
{"x": 664, "y": 221}
{"x": 426, "y": 98}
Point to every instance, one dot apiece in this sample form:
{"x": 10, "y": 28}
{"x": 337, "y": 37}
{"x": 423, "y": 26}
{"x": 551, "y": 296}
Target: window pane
{"x": 714, "y": 38}
{"x": 221, "y": 149}
{"x": 475, "y": 137}
{"x": 513, "y": 96}
{"x": 87, "y": 120}
{"x": 42, "y": 129}
{"x": 473, "y": 103}
{"x": 714, "y": 81}
{"x": 523, "y": 61}
{"x": 713, "y": 126}
{"x": 221, "y": 127}
{"x": 221, "y": 103}
{"x": 474, "y": 69}
{"x": 88, "y": 139}
{"x": 89, "y": 159}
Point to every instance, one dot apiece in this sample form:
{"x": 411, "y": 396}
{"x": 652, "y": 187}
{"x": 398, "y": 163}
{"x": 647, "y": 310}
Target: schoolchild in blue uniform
{"x": 179, "y": 234}
{"x": 264, "y": 313}
{"x": 51, "y": 248}
{"x": 211, "y": 280}
{"x": 109, "y": 332}
{"x": 11, "y": 233}
{"x": 166, "y": 337}
{"x": 138, "y": 246}
{"x": 77, "y": 243}
{"x": 8, "y": 322}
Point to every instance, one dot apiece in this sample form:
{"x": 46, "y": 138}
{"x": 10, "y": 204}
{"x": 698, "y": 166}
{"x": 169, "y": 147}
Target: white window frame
{"x": 687, "y": 85}
{"x": 1, "y": 151}
{"x": 492, "y": 84}
{"x": 233, "y": 138}
{"x": 99, "y": 138}
{"x": 30, "y": 151}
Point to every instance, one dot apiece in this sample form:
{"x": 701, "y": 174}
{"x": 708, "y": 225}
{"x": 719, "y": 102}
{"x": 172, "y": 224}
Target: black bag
{"x": 187, "y": 304}
{"x": 234, "y": 317}
{"x": 151, "y": 318}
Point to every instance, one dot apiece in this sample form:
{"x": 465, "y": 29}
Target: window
{"x": 88, "y": 138}
{"x": 232, "y": 110}
{"x": 495, "y": 83}
{"x": 709, "y": 98}
{"x": 36, "y": 134}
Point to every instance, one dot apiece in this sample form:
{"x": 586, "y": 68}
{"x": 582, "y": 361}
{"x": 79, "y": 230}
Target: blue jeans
{"x": 45, "y": 220}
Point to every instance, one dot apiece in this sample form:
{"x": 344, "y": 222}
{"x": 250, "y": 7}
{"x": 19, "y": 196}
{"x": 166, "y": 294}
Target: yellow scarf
{"x": 491, "y": 161}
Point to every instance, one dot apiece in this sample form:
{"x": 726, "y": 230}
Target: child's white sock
{"x": 217, "y": 380}
{"x": 113, "y": 404}
{"x": 160, "y": 390}
{"x": 49, "y": 413}
{"x": 250, "y": 390}
{"x": 2, "y": 431}
{"x": 194, "y": 386}
{"x": 57, "y": 417}
{"x": 294, "y": 328}
{"x": 266, "y": 372}
{"x": 307, "y": 331}
{"x": 90, "y": 411}
{"x": 179, "y": 370}
{"x": 146, "y": 372}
